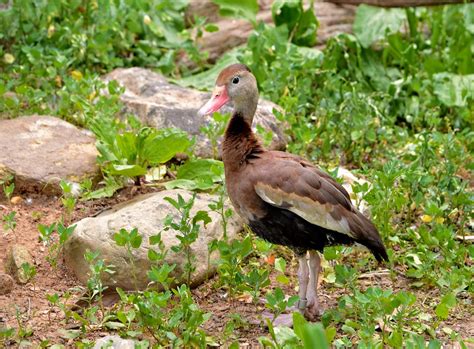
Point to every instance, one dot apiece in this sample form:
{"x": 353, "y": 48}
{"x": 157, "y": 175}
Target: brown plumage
{"x": 282, "y": 197}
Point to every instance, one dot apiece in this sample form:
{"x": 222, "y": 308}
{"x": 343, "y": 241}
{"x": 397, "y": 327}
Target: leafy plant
{"x": 9, "y": 221}
{"x": 198, "y": 174}
{"x": 246, "y": 9}
{"x": 278, "y": 303}
{"x": 214, "y": 130}
{"x": 160, "y": 271}
{"x": 303, "y": 335}
{"x": 229, "y": 265}
{"x": 131, "y": 152}
{"x": 187, "y": 229}
{"x": 130, "y": 240}
{"x": 302, "y": 24}
{"x": 97, "y": 268}
{"x": 8, "y": 186}
{"x": 220, "y": 208}
{"x": 256, "y": 280}
{"x": 55, "y": 246}
{"x": 68, "y": 198}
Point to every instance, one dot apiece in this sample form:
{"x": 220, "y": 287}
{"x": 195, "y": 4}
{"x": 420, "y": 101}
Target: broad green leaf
{"x": 307, "y": 29}
{"x": 454, "y": 90}
{"x": 182, "y": 184}
{"x": 198, "y": 168}
{"x": 280, "y": 264}
{"x": 114, "y": 325}
{"x": 372, "y": 23}
{"x": 303, "y": 24}
{"x": 314, "y": 336}
{"x": 127, "y": 146}
{"x": 298, "y": 323}
{"x": 158, "y": 149}
{"x": 442, "y": 311}
{"x": 246, "y": 9}
{"x": 287, "y": 12}
{"x": 127, "y": 170}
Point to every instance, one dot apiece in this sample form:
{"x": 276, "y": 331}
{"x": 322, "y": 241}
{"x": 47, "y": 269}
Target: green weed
{"x": 187, "y": 229}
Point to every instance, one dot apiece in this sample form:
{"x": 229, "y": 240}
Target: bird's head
{"x": 237, "y": 85}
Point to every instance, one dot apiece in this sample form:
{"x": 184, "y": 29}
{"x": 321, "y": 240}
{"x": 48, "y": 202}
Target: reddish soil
{"x": 27, "y": 304}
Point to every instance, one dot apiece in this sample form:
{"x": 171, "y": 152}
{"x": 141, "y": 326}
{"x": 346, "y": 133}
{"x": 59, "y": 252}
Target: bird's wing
{"x": 291, "y": 183}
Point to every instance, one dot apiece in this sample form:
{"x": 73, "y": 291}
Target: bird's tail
{"x": 369, "y": 236}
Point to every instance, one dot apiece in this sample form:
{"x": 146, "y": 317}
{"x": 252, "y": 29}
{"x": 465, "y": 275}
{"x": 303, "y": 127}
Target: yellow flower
{"x": 8, "y": 58}
{"x": 146, "y": 19}
{"x": 439, "y": 220}
{"x": 58, "y": 80}
{"x": 426, "y": 218}
{"x": 51, "y": 30}
{"x": 76, "y": 75}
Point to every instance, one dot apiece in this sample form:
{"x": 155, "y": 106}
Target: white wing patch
{"x": 311, "y": 211}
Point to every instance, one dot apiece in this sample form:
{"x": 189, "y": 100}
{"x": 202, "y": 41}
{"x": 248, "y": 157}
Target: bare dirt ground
{"x": 27, "y": 304}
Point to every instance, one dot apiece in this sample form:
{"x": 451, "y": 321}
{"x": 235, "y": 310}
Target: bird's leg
{"x": 303, "y": 279}
{"x": 286, "y": 319}
{"x": 313, "y": 310}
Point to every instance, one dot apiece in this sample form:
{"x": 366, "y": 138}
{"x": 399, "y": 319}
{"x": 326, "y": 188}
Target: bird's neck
{"x": 240, "y": 143}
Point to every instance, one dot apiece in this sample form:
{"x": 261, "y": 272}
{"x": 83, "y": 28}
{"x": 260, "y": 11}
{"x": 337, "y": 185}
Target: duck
{"x": 284, "y": 198}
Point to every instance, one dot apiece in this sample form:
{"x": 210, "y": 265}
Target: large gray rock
{"x": 147, "y": 214}
{"x": 41, "y": 150}
{"x": 159, "y": 103}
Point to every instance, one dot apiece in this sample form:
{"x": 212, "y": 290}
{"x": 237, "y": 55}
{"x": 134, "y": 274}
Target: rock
{"x": 42, "y": 150}
{"x": 333, "y": 19}
{"x": 16, "y": 200}
{"x": 159, "y": 103}
{"x": 16, "y": 257}
{"x": 146, "y": 213}
{"x": 6, "y": 284}
{"x": 114, "y": 342}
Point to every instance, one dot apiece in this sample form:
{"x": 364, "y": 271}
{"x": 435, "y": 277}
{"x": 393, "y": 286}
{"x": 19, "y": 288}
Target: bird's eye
{"x": 235, "y": 80}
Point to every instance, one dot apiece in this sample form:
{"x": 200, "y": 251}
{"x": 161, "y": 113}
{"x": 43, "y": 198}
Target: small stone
{"x": 16, "y": 257}
{"x": 114, "y": 342}
{"x": 16, "y": 200}
{"x": 6, "y": 284}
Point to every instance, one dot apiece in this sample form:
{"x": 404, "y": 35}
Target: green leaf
{"x": 202, "y": 216}
{"x": 160, "y": 148}
{"x": 442, "y": 311}
{"x": 307, "y": 29}
{"x": 314, "y": 336}
{"x": 246, "y": 9}
{"x": 286, "y": 12}
{"x": 127, "y": 170}
{"x": 298, "y": 323}
{"x": 199, "y": 168}
{"x": 187, "y": 184}
{"x": 198, "y": 174}
{"x": 454, "y": 90}
{"x": 114, "y": 325}
{"x": 280, "y": 264}
{"x": 372, "y": 23}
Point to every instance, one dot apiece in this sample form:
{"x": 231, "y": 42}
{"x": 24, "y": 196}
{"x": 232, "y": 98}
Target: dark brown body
{"x": 248, "y": 165}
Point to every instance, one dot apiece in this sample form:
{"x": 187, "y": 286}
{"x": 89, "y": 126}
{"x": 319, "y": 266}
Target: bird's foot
{"x": 313, "y": 310}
